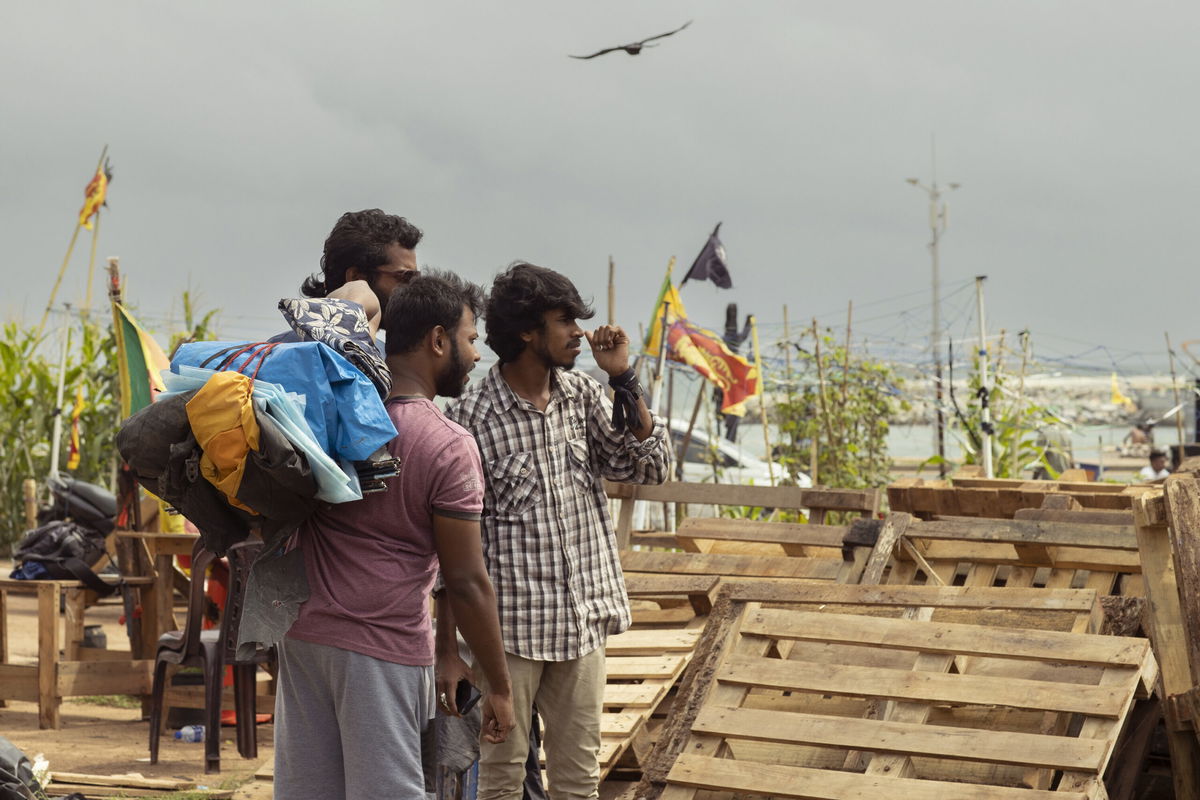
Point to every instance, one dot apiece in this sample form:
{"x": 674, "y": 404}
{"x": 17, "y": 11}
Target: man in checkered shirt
{"x": 547, "y": 438}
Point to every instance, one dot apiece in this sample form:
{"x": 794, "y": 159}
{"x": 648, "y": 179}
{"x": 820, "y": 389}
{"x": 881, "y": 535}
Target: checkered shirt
{"x": 548, "y": 539}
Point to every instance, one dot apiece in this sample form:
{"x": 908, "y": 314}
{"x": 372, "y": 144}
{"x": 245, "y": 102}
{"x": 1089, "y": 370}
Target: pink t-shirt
{"x": 371, "y": 563}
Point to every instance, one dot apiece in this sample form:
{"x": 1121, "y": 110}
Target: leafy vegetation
{"x": 836, "y": 405}
{"x": 28, "y": 386}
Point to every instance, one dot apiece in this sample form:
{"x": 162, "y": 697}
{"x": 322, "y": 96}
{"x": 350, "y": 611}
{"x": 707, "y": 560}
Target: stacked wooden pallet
{"x": 785, "y": 701}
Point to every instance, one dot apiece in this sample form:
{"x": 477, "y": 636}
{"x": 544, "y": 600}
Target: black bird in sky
{"x": 636, "y": 47}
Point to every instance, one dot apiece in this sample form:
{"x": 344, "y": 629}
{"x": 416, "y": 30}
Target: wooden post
{"x": 48, "y": 593}
{"x": 1175, "y": 387}
{"x": 29, "y": 495}
{"x": 762, "y": 400}
{"x": 1181, "y": 494}
{"x": 827, "y": 423}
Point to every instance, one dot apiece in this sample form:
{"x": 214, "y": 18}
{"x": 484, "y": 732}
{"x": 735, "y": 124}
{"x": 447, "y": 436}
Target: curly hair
{"x": 519, "y": 298}
{"x": 432, "y": 298}
{"x": 359, "y": 239}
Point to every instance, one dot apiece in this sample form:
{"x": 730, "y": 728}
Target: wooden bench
{"x": 778, "y": 700}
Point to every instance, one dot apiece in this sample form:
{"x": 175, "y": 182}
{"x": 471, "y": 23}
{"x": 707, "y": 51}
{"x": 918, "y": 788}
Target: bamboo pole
{"x": 612, "y": 292}
{"x": 87, "y": 296}
{"x": 67, "y": 258}
{"x": 762, "y": 399}
{"x": 1015, "y": 471}
{"x": 844, "y": 417}
{"x": 1175, "y": 388}
{"x": 826, "y": 423}
{"x": 29, "y": 495}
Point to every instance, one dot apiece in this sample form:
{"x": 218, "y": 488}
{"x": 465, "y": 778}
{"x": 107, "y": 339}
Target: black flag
{"x": 710, "y": 264}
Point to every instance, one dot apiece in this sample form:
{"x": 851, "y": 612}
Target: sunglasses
{"x": 401, "y": 275}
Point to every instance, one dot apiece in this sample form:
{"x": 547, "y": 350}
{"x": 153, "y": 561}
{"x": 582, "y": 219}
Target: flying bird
{"x": 636, "y": 47}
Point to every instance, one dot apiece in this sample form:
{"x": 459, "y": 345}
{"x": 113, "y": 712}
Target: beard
{"x": 453, "y": 379}
{"x": 566, "y": 361}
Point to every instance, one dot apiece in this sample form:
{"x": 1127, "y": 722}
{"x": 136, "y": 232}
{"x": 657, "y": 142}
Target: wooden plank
{"x": 633, "y": 695}
{"x": 1032, "y": 532}
{"x": 125, "y": 791}
{"x": 133, "y": 780}
{"x": 938, "y": 741}
{"x": 730, "y": 564}
{"x": 791, "y": 497}
{"x": 1082, "y": 517}
{"x": 78, "y": 678}
{"x": 652, "y": 642}
{"x": 944, "y": 637}
{"x": 818, "y": 784}
{"x": 891, "y": 684}
{"x": 747, "y": 530}
{"x": 639, "y": 667}
{"x": 1181, "y": 494}
{"x": 1167, "y": 634}
{"x": 48, "y": 593}
{"x": 19, "y": 682}
{"x": 895, "y": 526}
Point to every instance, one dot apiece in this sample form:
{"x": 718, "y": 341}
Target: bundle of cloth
{"x": 254, "y": 435}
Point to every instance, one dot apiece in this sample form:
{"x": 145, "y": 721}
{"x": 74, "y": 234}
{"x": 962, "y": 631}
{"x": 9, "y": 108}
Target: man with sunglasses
{"x": 368, "y": 254}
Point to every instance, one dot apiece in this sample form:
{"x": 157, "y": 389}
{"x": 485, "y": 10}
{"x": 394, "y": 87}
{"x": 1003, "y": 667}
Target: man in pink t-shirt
{"x": 356, "y": 668}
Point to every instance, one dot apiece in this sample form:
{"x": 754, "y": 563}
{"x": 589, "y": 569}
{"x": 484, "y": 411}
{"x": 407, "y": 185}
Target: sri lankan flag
{"x": 73, "y": 452}
{"x": 139, "y": 362}
{"x": 95, "y": 195}
{"x": 701, "y": 349}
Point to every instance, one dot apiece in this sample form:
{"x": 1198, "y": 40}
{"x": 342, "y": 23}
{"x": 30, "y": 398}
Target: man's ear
{"x": 439, "y": 340}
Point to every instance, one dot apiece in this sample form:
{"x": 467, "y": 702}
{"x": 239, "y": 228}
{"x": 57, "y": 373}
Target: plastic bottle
{"x": 190, "y": 733}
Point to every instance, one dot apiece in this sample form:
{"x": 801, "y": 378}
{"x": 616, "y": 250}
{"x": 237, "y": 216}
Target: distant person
{"x": 1156, "y": 469}
{"x": 1139, "y": 440}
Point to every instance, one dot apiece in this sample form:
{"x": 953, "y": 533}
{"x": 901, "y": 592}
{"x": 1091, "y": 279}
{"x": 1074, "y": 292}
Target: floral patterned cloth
{"x": 341, "y": 324}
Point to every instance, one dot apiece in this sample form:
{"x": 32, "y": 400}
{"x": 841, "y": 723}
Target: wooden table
{"x": 69, "y": 671}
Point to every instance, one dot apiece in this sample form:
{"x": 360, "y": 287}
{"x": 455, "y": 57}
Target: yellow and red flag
{"x": 73, "y": 453}
{"x": 95, "y": 195}
{"x": 703, "y": 350}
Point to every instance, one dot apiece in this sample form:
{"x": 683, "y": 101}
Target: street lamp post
{"x": 937, "y": 226}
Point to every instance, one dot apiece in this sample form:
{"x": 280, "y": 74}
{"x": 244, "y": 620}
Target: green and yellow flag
{"x": 139, "y": 362}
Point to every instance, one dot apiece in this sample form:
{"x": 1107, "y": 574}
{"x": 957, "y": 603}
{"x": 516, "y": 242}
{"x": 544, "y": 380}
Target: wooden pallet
{"x": 1040, "y": 549}
{"x": 1168, "y": 526}
{"x": 747, "y": 723}
{"x": 1001, "y": 499}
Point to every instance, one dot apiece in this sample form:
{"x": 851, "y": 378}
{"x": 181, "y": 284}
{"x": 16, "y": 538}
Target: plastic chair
{"x": 211, "y": 650}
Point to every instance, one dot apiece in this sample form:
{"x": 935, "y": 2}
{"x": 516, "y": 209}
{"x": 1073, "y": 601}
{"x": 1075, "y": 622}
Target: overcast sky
{"x": 238, "y": 132}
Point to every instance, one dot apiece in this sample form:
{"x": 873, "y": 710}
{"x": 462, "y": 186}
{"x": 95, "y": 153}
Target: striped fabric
{"x": 548, "y": 539}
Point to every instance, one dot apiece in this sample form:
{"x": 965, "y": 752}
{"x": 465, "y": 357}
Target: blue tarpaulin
{"x": 341, "y": 406}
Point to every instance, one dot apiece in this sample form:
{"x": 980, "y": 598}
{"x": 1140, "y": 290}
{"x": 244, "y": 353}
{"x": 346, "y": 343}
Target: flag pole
{"x": 56, "y": 433}
{"x": 87, "y": 297}
{"x": 662, "y": 356}
{"x": 612, "y": 291}
{"x": 67, "y": 258}
{"x": 762, "y": 399}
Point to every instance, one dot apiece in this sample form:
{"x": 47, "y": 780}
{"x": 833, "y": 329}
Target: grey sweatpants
{"x": 348, "y": 726}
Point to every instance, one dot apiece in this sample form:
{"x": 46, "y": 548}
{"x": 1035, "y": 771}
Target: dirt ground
{"x": 106, "y": 740}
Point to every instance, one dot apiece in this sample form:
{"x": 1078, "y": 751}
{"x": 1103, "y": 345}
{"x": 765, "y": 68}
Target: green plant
{"x": 1019, "y": 427}
{"x": 837, "y": 405}
{"x": 29, "y": 369}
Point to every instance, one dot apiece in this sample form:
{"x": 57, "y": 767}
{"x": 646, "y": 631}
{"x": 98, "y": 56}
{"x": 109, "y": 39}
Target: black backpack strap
{"x": 84, "y": 574}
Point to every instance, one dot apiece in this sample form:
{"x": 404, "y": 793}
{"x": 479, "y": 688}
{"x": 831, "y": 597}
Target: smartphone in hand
{"x": 466, "y": 696}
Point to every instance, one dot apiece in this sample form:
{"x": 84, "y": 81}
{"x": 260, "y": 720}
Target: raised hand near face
{"x": 610, "y": 347}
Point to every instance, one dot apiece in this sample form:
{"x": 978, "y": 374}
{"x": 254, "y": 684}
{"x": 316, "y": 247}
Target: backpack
{"x": 16, "y": 774}
{"x": 62, "y": 550}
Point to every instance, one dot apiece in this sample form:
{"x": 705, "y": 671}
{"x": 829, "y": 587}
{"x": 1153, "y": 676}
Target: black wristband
{"x": 626, "y": 391}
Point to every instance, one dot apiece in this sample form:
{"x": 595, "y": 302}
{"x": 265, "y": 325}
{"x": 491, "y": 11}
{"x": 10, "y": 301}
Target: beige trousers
{"x": 569, "y": 696}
